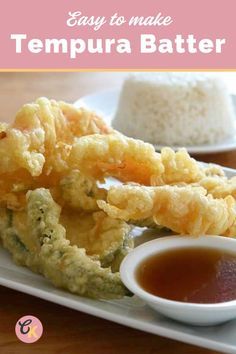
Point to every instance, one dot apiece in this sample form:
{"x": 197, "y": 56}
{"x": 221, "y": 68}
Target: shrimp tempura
{"x": 185, "y": 210}
{"x": 132, "y": 160}
{"x": 115, "y": 155}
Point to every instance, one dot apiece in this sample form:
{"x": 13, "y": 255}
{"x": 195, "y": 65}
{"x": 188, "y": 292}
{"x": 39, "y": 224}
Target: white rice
{"x": 175, "y": 109}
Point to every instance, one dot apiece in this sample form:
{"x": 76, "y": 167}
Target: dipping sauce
{"x": 196, "y": 275}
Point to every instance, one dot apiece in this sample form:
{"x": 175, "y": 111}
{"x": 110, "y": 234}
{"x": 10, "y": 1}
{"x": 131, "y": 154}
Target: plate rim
{"x": 59, "y": 296}
{"x": 156, "y": 329}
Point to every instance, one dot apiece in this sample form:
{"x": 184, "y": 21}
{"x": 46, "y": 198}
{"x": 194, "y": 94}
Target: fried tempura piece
{"x": 115, "y": 261}
{"x": 181, "y": 169}
{"x": 219, "y": 187}
{"x": 81, "y": 192}
{"x": 17, "y": 238}
{"x": 185, "y": 210}
{"x": 100, "y": 235}
{"x": 48, "y": 139}
{"x": 178, "y": 167}
{"x": 213, "y": 170}
{"x": 5, "y": 219}
{"x": 132, "y": 160}
{"x": 41, "y": 136}
{"x": 34, "y": 149}
{"x": 115, "y": 155}
{"x": 68, "y": 266}
{"x": 38, "y": 240}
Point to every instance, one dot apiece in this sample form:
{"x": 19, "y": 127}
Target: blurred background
{"x": 17, "y": 88}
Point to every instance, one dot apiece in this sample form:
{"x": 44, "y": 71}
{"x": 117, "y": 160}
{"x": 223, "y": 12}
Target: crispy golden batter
{"x": 219, "y": 187}
{"x": 181, "y": 169}
{"x": 178, "y": 167}
{"x": 34, "y": 149}
{"x": 17, "y": 239}
{"x": 185, "y": 210}
{"x": 132, "y": 160}
{"x": 48, "y": 139}
{"x": 100, "y": 235}
{"x": 41, "y": 136}
{"x": 81, "y": 192}
{"x": 37, "y": 238}
{"x": 60, "y": 231}
{"x": 115, "y": 155}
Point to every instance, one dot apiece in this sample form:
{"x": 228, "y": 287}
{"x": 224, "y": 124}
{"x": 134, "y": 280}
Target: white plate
{"x": 131, "y": 312}
{"x": 105, "y": 103}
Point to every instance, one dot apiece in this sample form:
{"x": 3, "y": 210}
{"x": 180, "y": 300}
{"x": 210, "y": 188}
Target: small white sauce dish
{"x": 191, "y": 313}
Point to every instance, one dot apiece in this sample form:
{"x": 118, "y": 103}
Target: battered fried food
{"x": 60, "y": 231}
{"x": 100, "y": 235}
{"x": 38, "y": 239}
{"x": 48, "y": 139}
{"x": 16, "y": 238}
{"x": 34, "y": 149}
{"x": 115, "y": 155}
{"x": 219, "y": 187}
{"x": 119, "y": 254}
{"x": 81, "y": 192}
{"x": 178, "y": 167}
{"x": 181, "y": 169}
{"x": 185, "y": 210}
{"x": 42, "y": 134}
{"x": 131, "y": 160}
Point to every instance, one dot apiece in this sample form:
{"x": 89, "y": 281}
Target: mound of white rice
{"x": 175, "y": 109}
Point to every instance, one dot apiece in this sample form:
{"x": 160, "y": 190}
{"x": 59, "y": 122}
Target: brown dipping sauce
{"x": 196, "y": 275}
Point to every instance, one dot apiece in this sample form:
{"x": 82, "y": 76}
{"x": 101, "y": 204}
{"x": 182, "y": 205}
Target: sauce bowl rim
{"x": 129, "y": 279}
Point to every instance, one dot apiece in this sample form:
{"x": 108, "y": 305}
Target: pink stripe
{"x": 46, "y": 19}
